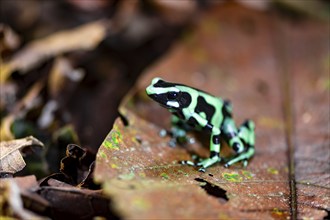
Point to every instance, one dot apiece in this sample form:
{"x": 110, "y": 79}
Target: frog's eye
{"x": 172, "y": 95}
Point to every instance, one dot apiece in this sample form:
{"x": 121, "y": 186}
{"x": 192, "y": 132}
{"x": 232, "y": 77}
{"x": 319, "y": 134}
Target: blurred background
{"x": 66, "y": 65}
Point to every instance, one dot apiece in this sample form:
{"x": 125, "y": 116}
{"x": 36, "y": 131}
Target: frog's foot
{"x": 203, "y": 164}
{"x": 181, "y": 141}
{"x": 164, "y": 133}
{"x": 244, "y": 157}
{"x": 191, "y": 163}
{"x": 208, "y": 162}
{"x": 175, "y": 139}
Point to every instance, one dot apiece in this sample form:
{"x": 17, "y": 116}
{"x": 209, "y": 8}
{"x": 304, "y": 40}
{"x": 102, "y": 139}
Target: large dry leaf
{"x": 85, "y": 37}
{"x": 141, "y": 172}
{"x": 237, "y": 54}
{"x": 11, "y": 160}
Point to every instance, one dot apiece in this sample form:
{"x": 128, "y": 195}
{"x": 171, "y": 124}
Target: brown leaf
{"x": 142, "y": 173}
{"x": 11, "y": 159}
{"x": 85, "y": 37}
{"x": 231, "y": 53}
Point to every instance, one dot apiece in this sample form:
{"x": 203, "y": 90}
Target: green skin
{"x": 192, "y": 108}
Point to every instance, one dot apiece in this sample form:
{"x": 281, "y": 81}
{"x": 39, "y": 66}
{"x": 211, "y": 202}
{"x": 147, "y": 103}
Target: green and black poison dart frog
{"x": 193, "y": 108}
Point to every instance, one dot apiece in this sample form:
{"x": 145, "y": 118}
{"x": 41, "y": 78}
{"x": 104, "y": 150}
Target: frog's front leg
{"x": 214, "y": 150}
{"x": 214, "y": 143}
{"x": 178, "y": 132}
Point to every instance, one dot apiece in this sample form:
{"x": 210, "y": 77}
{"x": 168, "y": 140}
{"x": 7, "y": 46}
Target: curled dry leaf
{"x": 76, "y": 168}
{"x": 11, "y": 160}
{"x": 85, "y": 37}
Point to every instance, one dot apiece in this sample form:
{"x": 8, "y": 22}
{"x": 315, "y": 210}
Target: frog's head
{"x": 168, "y": 95}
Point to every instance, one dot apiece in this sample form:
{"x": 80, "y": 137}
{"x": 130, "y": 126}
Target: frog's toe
{"x": 208, "y": 162}
{"x": 203, "y": 164}
{"x": 228, "y": 164}
{"x": 245, "y": 163}
{"x": 188, "y": 162}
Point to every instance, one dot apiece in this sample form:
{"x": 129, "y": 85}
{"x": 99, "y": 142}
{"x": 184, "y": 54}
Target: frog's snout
{"x": 149, "y": 90}
{"x": 154, "y": 97}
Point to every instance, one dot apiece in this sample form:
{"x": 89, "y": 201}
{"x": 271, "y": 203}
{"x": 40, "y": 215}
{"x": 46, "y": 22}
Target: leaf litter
{"x": 140, "y": 174}
{"x": 85, "y": 37}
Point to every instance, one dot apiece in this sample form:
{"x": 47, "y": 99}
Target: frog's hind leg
{"x": 247, "y": 136}
{"x": 229, "y": 130}
{"x": 244, "y": 157}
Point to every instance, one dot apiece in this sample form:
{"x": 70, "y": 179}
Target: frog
{"x": 194, "y": 109}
